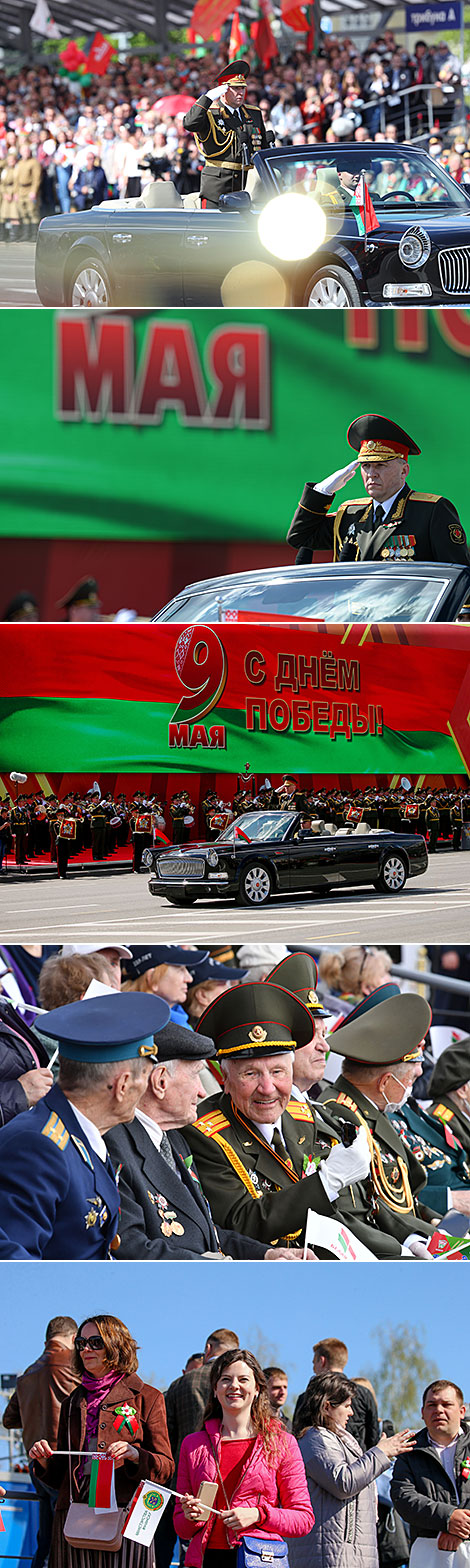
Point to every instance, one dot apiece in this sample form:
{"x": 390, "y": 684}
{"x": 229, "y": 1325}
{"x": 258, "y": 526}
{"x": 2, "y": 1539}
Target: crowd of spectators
{"x": 332, "y": 1493}
{"x": 66, "y": 147}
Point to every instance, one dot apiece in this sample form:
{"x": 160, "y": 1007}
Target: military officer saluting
{"x": 264, "y": 1157}
{"x": 58, "y": 1192}
{"x": 381, "y": 1041}
{"x": 227, "y": 133}
{"x": 395, "y": 523}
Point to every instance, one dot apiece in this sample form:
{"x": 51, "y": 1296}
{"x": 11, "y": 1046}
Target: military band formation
{"x": 199, "y": 1112}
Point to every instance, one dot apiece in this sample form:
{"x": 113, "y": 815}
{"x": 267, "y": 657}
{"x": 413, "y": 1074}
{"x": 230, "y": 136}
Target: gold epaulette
{"x": 55, "y": 1130}
{"x": 299, "y": 1110}
{"x": 443, "y": 1113}
{"x": 423, "y": 495}
{"x": 211, "y": 1123}
{"x": 345, "y": 1099}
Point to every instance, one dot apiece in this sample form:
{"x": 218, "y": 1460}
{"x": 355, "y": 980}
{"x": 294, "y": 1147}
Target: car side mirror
{"x": 235, "y": 200}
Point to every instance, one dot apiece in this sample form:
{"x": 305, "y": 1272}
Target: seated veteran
{"x": 264, "y": 1157}
{"x": 299, "y": 974}
{"x": 381, "y": 1041}
{"x": 391, "y": 522}
{"x": 58, "y": 1192}
{"x": 449, "y": 1090}
{"x": 164, "y": 1213}
{"x": 439, "y": 1151}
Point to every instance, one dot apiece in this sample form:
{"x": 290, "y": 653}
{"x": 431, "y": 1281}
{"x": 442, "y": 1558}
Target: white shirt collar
{"x": 268, "y": 1129}
{"x": 152, "y": 1128}
{"x": 297, "y": 1094}
{"x": 387, "y": 505}
{"x": 92, "y": 1133}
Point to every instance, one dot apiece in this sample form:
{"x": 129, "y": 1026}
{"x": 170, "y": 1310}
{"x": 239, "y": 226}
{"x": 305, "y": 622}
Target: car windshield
{"x": 397, "y": 594}
{"x": 398, "y": 179}
{"x": 259, "y": 827}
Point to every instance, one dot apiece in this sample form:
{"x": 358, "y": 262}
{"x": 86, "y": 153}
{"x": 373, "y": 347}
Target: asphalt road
{"x": 17, "y": 274}
{"x": 432, "y": 908}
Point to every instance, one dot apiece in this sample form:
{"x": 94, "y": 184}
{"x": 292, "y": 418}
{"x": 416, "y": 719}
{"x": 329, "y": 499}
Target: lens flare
{"x": 292, "y": 227}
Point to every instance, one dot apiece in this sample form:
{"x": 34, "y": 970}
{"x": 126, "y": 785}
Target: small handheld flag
{"x": 320, "y": 1231}
{"x": 102, "y": 1495}
{"x": 363, "y": 210}
{"x": 148, "y": 1505}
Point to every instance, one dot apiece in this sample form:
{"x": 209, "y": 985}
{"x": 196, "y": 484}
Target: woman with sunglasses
{"x": 110, "y": 1412}
{"x": 260, "y": 1477}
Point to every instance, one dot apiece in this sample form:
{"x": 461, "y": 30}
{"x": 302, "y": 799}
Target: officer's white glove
{"x": 417, "y": 1247}
{"x": 344, "y": 1166}
{"x": 337, "y": 480}
{"x": 217, "y": 92}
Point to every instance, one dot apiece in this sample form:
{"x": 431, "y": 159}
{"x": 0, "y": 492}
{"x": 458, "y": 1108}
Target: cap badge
{"x": 257, "y": 1034}
{"x": 312, "y": 999}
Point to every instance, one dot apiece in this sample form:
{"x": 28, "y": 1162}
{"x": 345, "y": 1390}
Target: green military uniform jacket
{"x": 419, "y": 527}
{"x": 438, "y": 1150}
{"x": 251, "y": 1190}
{"x": 217, "y": 132}
{"x": 446, "y": 1112}
{"x": 396, "y": 1176}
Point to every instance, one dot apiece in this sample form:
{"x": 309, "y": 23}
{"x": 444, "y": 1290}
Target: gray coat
{"x": 344, "y": 1500}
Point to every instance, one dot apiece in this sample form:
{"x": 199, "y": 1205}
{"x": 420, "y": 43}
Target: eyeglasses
{"x": 366, "y": 951}
{"x": 94, "y": 1342}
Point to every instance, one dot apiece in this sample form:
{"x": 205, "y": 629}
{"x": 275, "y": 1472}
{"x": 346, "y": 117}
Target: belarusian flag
{"x": 147, "y": 1507}
{"x": 363, "y": 210}
{"x": 262, "y": 35}
{"x": 294, "y": 16}
{"x": 208, "y": 15}
{"x": 239, "y": 40}
{"x": 102, "y": 1495}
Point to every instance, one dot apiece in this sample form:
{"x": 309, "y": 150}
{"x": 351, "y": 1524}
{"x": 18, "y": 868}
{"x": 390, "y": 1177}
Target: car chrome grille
{"x": 169, "y": 870}
{"x": 454, "y": 270}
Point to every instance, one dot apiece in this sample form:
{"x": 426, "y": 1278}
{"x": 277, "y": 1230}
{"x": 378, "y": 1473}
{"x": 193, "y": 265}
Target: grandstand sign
{"x": 434, "y": 17}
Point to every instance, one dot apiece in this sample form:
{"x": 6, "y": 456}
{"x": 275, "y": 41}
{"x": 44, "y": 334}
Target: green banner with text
{"x": 179, "y": 425}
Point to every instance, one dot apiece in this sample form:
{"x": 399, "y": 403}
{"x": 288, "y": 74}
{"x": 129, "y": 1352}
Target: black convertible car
{"x": 268, "y": 852}
{"x": 364, "y": 591}
{"x": 161, "y": 250}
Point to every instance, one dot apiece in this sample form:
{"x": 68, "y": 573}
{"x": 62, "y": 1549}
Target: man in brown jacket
{"x": 35, "y": 1407}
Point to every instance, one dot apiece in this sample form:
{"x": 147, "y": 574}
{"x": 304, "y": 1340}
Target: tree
{"x": 402, "y": 1373}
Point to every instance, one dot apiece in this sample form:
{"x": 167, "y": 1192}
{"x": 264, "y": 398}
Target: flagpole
{"x": 90, "y": 1453}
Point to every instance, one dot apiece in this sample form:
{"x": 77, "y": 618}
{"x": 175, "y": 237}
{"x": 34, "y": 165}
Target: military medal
{"x": 126, "y": 1419}
{"x": 169, "y": 1223}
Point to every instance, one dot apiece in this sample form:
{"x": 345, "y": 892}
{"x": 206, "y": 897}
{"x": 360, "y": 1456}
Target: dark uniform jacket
{"x": 419, "y": 527}
{"x": 218, "y": 131}
{"x": 252, "y": 1189}
{"x": 438, "y": 1150}
{"x": 421, "y": 1490}
{"x": 396, "y": 1175}
{"x": 446, "y": 1111}
{"x": 154, "y": 1200}
{"x": 17, "y": 1043}
{"x": 154, "y": 1462}
{"x": 363, "y": 1424}
{"x": 57, "y": 1197}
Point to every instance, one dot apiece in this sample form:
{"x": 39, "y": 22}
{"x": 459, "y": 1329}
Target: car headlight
{"x": 415, "y": 247}
{"x": 147, "y": 857}
{"x": 212, "y": 858}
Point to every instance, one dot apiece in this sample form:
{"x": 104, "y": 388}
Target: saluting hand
{"x": 337, "y": 480}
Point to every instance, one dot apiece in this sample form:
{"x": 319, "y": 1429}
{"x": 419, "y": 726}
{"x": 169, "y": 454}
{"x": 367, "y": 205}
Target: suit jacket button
{"x": 102, "y": 1426}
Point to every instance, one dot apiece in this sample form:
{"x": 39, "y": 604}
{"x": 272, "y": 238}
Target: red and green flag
{"x": 102, "y": 1494}
{"x": 239, "y": 40}
{"x": 262, "y": 35}
{"x": 363, "y": 210}
{"x": 294, "y": 16}
{"x": 208, "y": 16}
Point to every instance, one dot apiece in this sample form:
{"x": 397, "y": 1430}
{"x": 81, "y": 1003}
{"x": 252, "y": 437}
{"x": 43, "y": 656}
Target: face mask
{"x": 396, "y": 1105}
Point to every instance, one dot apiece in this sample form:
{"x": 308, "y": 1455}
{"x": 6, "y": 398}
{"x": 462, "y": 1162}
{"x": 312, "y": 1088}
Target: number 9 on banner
{"x": 201, "y": 667}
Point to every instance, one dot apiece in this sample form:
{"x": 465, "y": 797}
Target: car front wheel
{"x": 255, "y": 885}
{"x": 331, "y": 288}
{"x": 392, "y": 877}
{"x": 90, "y": 288}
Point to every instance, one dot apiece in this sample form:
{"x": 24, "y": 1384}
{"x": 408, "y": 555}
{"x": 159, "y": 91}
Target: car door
{"x": 312, "y": 862}
{"x": 215, "y": 243}
{"x": 146, "y": 249}
{"x": 357, "y": 858}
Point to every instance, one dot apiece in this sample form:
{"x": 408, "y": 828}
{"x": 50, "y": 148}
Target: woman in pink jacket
{"x": 257, "y": 1466}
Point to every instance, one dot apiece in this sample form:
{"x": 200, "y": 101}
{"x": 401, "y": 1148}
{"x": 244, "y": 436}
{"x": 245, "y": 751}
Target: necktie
{"x": 379, "y": 515}
{"x": 280, "y": 1149}
{"x": 167, "y": 1152}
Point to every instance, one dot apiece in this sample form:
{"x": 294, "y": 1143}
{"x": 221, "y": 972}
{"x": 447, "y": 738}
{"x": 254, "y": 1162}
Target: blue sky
{"x": 171, "y": 1308}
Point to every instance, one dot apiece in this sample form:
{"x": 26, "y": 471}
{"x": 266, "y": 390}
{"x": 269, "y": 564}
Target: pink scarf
{"x": 96, "y": 1390}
